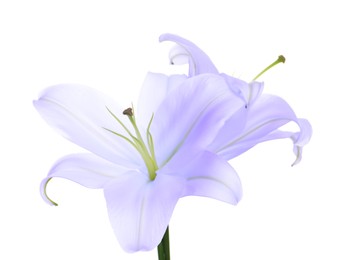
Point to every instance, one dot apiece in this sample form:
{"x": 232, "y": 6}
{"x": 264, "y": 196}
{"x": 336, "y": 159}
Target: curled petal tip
{"x": 43, "y": 192}
{"x": 301, "y": 139}
{"x": 165, "y": 36}
{"x": 298, "y": 152}
{"x": 298, "y": 159}
{"x": 198, "y": 60}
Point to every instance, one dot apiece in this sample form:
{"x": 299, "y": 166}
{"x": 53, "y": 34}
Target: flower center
{"x": 147, "y": 152}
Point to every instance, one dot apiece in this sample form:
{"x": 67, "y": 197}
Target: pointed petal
{"x": 264, "y": 119}
{"x": 199, "y": 62}
{"x": 192, "y": 115}
{"x": 85, "y": 169}
{"x": 140, "y": 210}
{"x": 209, "y": 175}
{"x": 155, "y": 88}
{"x": 80, "y": 114}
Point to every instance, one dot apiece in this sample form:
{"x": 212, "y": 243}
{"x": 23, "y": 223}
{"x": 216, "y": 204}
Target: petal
{"x": 140, "y": 210}
{"x": 199, "y": 62}
{"x": 249, "y": 92}
{"x": 85, "y": 169}
{"x": 155, "y": 88}
{"x": 263, "y": 120}
{"x": 230, "y": 130}
{"x": 178, "y": 55}
{"x": 80, "y": 114}
{"x": 299, "y": 139}
{"x": 209, "y": 175}
{"x": 192, "y": 115}
{"x": 303, "y": 137}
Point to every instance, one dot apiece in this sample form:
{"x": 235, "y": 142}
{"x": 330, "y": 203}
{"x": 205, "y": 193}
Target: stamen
{"x": 150, "y": 141}
{"x": 147, "y": 153}
{"x": 120, "y": 122}
{"x": 280, "y": 59}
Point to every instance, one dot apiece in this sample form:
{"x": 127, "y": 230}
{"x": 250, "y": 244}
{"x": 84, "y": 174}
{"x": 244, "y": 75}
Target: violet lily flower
{"x": 264, "y": 115}
{"x": 174, "y": 146}
{"x": 145, "y": 160}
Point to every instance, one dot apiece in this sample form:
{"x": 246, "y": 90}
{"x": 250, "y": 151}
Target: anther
{"x": 128, "y": 111}
{"x": 281, "y": 58}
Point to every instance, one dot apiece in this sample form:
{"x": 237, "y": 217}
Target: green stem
{"x": 163, "y": 248}
{"x": 279, "y": 60}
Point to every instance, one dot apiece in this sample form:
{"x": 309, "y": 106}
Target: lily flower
{"x": 148, "y": 158}
{"x": 264, "y": 116}
{"x": 176, "y": 143}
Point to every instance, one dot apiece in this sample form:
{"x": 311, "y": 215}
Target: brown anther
{"x": 128, "y": 111}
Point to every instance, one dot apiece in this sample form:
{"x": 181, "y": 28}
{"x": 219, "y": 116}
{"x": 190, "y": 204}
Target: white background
{"x": 286, "y": 212}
